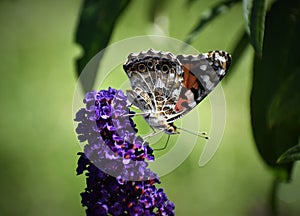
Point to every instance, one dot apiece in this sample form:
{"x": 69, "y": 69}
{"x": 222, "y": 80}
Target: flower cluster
{"x": 118, "y": 180}
{"x": 105, "y": 111}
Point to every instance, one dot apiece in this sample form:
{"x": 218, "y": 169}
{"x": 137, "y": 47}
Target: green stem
{"x": 273, "y": 197}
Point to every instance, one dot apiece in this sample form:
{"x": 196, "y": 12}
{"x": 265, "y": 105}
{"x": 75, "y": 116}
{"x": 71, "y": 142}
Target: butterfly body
{"x": 165, "y": 87}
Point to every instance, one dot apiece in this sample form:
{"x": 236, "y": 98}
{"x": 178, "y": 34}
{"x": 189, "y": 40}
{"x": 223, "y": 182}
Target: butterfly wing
{"x": 202, "y": 73}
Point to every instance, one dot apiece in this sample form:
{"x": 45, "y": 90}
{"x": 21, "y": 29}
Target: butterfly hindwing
{"x": 156, "y": 79}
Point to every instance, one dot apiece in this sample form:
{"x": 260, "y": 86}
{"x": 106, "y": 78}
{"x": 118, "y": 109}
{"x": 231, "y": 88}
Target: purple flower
{"x": 114, "y": 160}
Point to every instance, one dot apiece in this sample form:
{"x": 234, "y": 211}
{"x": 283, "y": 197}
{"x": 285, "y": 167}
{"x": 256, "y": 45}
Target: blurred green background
{"x": 38, "y": 145}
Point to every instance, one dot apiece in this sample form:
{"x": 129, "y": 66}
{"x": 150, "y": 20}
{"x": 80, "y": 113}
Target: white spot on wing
{"x": 159, "y": 83}
{"x": 208, "y": 84}
{"x": 220, "y": 58}
{"x": 203, "y": 67}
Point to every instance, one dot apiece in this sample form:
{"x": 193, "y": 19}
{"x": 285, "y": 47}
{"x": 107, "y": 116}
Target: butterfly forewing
{"x": 202, "y": 73}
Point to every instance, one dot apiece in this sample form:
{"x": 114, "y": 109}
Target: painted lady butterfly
{"x": 165, "y": 87}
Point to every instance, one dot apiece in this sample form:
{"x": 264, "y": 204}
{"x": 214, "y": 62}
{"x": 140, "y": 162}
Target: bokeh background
{"x": 38, "y": 145}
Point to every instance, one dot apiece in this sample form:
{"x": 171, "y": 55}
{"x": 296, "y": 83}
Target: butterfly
{"x": 165, "y": 86}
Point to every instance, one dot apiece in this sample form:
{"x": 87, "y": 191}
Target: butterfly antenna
{"x": 165, "y": 146}
{"x": 200, "y": 134}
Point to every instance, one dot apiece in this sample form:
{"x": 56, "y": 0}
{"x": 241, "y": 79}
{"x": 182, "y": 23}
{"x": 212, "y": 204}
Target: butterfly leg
{"x": 165, "y": 146}
{"x": 153, "y": 130}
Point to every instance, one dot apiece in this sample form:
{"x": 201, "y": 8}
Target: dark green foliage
{"x": 276, "y": 78}
{"x": 95, "y": 26}
{"x": 291, "y": 155}
{"x": 256, "y": 24}
{"x": 208, "y": 16}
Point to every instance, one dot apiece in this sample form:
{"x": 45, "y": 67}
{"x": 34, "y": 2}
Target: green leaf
{"x": 208, "y": 16}
{"x": 275, "y": 90}
{"x": 285, "y": 104}
{"x": 95, "y": 26}
{"x": 291, "y": 155}
{"x": 254, "y": 14}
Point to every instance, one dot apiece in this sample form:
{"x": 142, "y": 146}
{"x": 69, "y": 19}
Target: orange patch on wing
{"x": 189, "y": 80}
